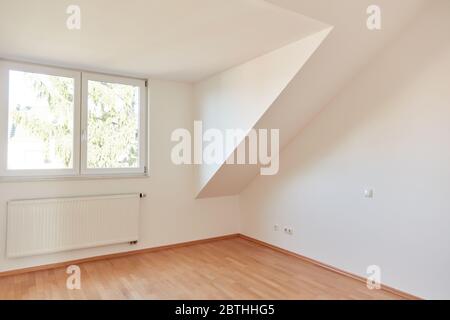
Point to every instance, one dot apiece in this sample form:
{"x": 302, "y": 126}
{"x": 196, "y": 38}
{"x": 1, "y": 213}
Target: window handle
{"x": 84, "y": 135}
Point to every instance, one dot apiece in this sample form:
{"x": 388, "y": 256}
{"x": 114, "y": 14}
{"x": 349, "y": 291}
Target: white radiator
{"x": 52, "y": 225}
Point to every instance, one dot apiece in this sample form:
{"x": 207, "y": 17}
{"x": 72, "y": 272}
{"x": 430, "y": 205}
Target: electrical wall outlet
{"x": 276, "y": 227}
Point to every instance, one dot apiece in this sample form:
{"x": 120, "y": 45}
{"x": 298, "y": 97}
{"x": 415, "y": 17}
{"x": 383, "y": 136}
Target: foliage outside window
{"x": 57, "y": 124}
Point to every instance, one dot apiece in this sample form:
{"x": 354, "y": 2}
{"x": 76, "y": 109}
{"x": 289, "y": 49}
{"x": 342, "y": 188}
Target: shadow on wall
{"x": 388, "y": 128}
{"x": 375, "y": 89}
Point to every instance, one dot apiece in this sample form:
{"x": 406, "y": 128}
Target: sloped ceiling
{"x": 344, "y": 53}
{"x": 191, "y": 40}
{"x": 182, "y": 40}
{"x": 239, "y": 97}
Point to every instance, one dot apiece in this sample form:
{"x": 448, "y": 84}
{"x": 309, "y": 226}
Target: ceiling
{"x": 341, "y": 57}
{"x": 183, "y": 40}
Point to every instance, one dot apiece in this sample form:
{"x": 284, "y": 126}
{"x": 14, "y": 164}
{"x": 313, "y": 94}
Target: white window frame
{"x": 79, "y": 162}
{"x": 5, "y": 68}
{"x": 84, "y": 125}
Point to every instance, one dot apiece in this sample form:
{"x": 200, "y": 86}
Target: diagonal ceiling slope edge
{"x": 239, "y": 97}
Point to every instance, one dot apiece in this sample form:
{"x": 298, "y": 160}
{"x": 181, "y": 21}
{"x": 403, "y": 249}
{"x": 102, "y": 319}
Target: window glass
{"x": 40, "y": 121}
{"x": 112, "y": 126}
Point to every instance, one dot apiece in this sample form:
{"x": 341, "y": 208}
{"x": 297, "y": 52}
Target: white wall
{"x": 238, "y": 97}
{"x": 168, "y": 215}
{"x": 388, "y": 130}
{"x": 339, "y": 58}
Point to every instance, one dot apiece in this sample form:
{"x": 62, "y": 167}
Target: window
{"x": 57, "y": 122}
{"x": 112, "y": 124}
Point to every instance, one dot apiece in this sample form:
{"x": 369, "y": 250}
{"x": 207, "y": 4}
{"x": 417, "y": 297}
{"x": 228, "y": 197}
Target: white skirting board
{"x": 45, "y": 226}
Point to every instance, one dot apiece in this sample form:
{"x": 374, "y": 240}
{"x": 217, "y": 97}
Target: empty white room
{"x": 225, "y": 150}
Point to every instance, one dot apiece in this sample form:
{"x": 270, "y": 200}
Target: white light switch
{"x": 368, "y": 193}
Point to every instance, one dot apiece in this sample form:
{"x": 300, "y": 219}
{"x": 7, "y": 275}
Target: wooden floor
{"x": 225, "y": 269}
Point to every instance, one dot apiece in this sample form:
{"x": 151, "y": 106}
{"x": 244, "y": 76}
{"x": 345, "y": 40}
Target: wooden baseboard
{"x": 397, "y": 292}
{"x": 113, "y": 255}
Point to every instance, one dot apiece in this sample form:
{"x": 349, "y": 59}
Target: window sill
{"x": 75, "y": 178}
